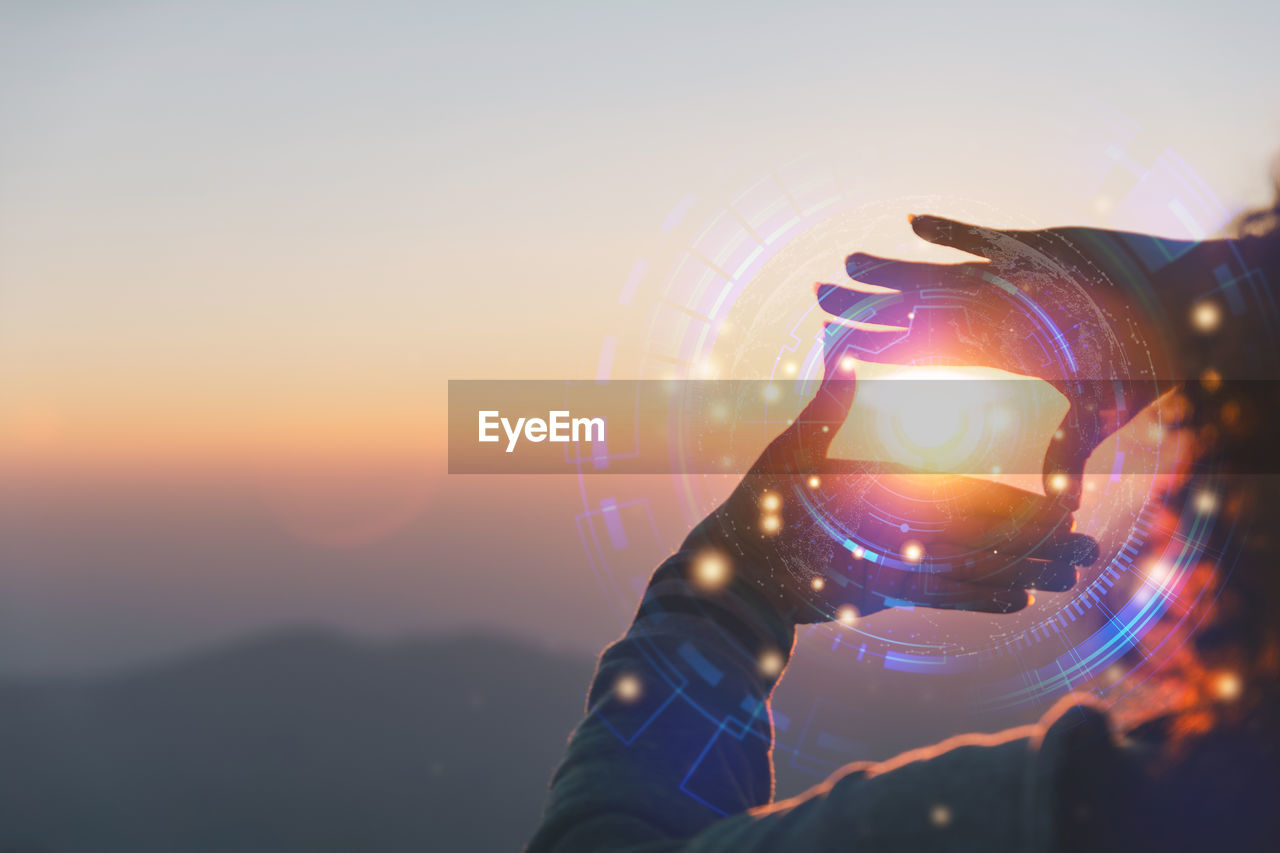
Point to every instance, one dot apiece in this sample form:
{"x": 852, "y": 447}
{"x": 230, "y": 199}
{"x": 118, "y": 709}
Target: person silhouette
{"x": 674, "y": 753}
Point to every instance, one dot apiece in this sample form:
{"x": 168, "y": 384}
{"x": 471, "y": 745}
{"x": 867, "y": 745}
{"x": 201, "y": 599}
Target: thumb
{"x": 974, "y": 239}
{"x": 809, "y": 437}
{"x": 1064, "y": 462}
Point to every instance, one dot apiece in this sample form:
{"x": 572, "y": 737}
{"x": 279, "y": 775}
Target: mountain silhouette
{"x": 298, "y": 741}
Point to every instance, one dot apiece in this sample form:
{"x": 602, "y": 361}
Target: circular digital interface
{"x": 729, "y": 294}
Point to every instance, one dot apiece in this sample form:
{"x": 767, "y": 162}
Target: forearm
{"x": 678, "y": 731}
{"x": 674, "y": 754}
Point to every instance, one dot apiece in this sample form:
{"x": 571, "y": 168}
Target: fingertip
{"x": 1058, "y": 577}
{"x": 855, "y": 262}
{"x": 1088, "y": 552}
{"x": 1011, "y": 600}
{"x": 926, "y": 225}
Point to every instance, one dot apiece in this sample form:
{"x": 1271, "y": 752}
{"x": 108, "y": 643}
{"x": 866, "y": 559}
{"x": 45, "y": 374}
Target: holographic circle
{"x": 733, "y": 298}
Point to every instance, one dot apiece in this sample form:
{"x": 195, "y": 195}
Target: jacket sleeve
{"x": 674, "y": 753}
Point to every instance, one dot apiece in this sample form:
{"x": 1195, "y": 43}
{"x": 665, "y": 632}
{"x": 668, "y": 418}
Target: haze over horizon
{"x": 243, "y": 248}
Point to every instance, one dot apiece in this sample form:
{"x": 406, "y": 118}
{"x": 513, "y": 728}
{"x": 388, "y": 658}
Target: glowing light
{"x": 912, "y": 552}
{"x": 1031, "y": 599}
{"x": 770, "y": 523}
{"x": 847, "y": 364}
{"x": 940, "y": 815}
{"x": 1059, "y": 482}
{"x": 1206, "y": 502}
{"x": 1227, "y": 686}
{"x": 933, "y": 429}
{"x": 1210, "y": 379}
{"x": 1206, "y": 316}
{"x": 858, "y": 552}
{"x": 771, "y": 502}
{"x": 771, "y": 662}
{"x": 818, "y": 584}
{"x": 628, "y": 687}
{"x": 960, "y": 422}
{"x": 790, "y": 368}
{"x": 814, "y": 482}
{"x": 711, "y": 570}
{"x": 847, "y": 615}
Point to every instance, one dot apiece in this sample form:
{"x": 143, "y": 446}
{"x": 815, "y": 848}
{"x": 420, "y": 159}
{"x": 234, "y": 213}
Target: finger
{"x": 887, "y": 309}
{"x": 1073, "y": 443}
{"x": 974, "y": 239}
{"x": 937, "y": 591}
{"x": 1011, "y": 538}
{"x": 1048, "y": 575}
{"x": 804, "y": 444}
{"x": 1024, "y": 574}
{"x": 1050, "y": 567}
{"x": 883, "y": 344}
{"x": 1044, "y": 532}
{"x": 981, "y": 509}
{"x": 1075, "y": 549}
{"x": 905, "y": 275}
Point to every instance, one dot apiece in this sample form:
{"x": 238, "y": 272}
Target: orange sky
{"x": 262, "y": 243}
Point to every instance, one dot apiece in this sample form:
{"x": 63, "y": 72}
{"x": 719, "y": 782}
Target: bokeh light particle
{"x": 627, "y": 687}
{"x": 711, "y": 570}
{"x": 847, "y": 615}
{"x": 771, "y": 662}
{"x": 1206, "y": 316}
{"x": 1227, "y": 686}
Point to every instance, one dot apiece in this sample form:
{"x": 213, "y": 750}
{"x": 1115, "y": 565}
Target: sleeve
{"x": 675, "y": 753}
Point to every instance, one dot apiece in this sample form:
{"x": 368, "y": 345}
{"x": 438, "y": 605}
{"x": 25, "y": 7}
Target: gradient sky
{"x": 244, "y": 245}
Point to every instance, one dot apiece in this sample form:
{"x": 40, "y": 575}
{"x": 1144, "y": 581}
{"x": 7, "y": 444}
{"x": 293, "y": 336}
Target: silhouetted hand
{"x": 819, "y": 538}
{"x": 1111, "y": 319}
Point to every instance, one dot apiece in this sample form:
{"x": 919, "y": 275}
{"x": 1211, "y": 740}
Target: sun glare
{"x": 959, "y": 420}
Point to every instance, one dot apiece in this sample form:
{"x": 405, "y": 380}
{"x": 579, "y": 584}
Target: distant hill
{"x": 302, "y": 741}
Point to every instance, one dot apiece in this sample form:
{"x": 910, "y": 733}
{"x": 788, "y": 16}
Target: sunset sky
{"x": 243, "y": 247}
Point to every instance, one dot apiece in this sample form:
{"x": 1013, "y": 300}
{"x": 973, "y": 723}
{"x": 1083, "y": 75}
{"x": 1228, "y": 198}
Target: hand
{"x": 823, "y": 539}
{"x": 1060, "y": 304}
